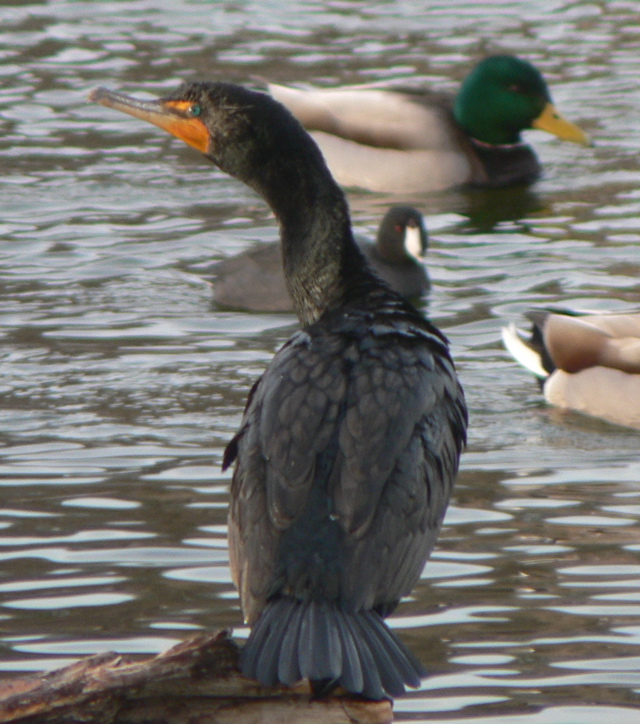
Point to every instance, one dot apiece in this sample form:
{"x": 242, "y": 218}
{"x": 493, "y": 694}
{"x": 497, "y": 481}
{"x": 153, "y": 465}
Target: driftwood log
{"x": 196, "y": 682}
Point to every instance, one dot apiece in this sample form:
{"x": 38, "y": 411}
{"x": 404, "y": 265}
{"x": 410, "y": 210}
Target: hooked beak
{"x": 166, "y": 114}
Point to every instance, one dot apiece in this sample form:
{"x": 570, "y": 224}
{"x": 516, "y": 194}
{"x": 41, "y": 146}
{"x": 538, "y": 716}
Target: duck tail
{"x": 527, "y": 354}
{"x": 294, "y": 640}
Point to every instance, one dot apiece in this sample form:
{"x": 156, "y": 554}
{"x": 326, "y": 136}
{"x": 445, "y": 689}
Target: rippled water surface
{"x": 122, "y": 382}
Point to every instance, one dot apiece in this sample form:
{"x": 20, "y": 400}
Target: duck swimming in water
{"x": 415, "y": 141}
{"x": 589, "y": 363}
{"x": 254, "y": 280}
{"x": 350, "y": 441}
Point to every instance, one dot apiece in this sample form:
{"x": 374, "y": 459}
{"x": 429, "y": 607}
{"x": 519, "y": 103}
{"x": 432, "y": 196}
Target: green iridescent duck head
{"x": 504, "y": 95}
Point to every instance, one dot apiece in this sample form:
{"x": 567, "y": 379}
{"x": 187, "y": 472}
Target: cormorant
{"x": 350, "y": 440}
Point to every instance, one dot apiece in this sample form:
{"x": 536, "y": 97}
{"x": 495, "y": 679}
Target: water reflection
{"x": 122, "y": 382}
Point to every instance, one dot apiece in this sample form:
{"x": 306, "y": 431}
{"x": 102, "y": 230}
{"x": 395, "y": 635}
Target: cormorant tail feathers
{"x": 294, "y": 640}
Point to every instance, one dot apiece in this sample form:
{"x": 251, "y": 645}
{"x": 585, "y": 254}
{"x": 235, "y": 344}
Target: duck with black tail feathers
{"x": 350, "y": 440}
{"x": 589, "y": 363}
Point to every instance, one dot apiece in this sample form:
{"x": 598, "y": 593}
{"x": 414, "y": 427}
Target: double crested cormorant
{"x": 412, "y": 141}
{"x": 589, "y": 363}
{"x": 254, "y": 279}
{"x": 350, "y": 441}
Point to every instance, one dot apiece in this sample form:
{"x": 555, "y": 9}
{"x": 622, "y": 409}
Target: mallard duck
{"x": 350, "y": 441}
{"x": 254, "y": 279}
{"x": 411, "y": 141}
{"x": 588, "y": 363}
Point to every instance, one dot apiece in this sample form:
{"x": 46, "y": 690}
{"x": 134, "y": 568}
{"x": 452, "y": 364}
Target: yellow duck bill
{"x": 552, "y": 122}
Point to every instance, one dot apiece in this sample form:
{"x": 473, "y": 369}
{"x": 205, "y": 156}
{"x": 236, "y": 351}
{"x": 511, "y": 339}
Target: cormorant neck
{"x": 320, "y": 257}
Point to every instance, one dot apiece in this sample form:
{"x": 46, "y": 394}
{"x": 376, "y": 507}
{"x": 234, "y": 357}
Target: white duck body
{"x": 385, "y": 140}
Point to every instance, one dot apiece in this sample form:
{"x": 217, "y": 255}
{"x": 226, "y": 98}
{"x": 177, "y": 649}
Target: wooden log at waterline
{"x": 197, "y": 681}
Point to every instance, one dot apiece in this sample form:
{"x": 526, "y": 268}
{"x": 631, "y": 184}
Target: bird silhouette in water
{"x": 350, "y": 441}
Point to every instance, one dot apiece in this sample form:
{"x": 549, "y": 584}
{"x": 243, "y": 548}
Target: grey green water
{"x": 121, "y": 382}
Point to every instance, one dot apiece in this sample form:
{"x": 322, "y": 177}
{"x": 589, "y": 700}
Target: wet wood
{"x": 196, "y": 682}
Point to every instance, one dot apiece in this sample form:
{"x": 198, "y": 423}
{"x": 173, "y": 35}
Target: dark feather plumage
{"x": 350, "y": 440}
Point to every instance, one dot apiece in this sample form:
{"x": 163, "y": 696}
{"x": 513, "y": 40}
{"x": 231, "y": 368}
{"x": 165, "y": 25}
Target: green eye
{"x": 195, "y": 110}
